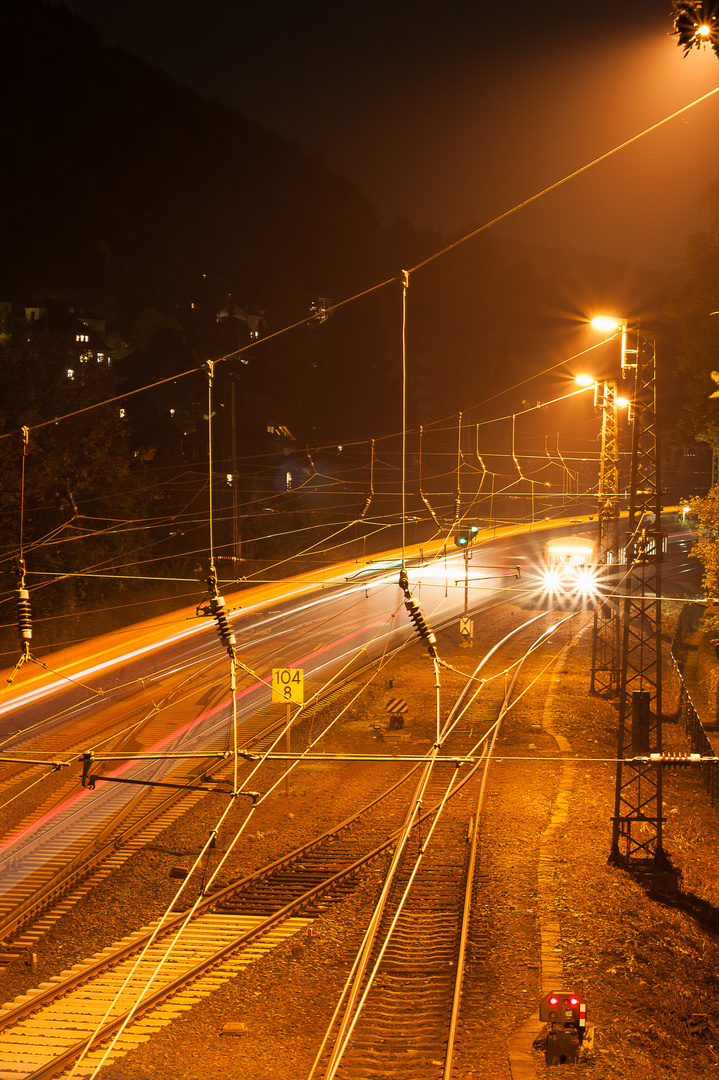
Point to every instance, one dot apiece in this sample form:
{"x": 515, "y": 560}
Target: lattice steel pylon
{"x": 637, "y": 822}
{"x": 605, "y": 677}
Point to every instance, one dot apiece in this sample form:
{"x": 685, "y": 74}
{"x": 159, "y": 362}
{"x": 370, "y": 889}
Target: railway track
{"x": 86, "y": 836}
{"x": 78, "y": 837}
{"x": 402, "y": 1029}
{"x": 423, "y": 948}
{"x": 238, "y": 917}
{"x": 401, "y": 1007}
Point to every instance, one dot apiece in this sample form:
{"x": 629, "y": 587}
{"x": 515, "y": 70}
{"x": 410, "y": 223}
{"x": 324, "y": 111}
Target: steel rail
{"x": 112, "y": 1026}
{"x": 352, "y": 1007}
{"x": 83, "y": 863}
{"x": 212, "y": 900}
{"x": 472, "y": 865}
{"x": 106, "y": 843}
{"x": 45, "y": 1072}
{"x": 31, "y": 1006}
{"x": 100, "y": 847}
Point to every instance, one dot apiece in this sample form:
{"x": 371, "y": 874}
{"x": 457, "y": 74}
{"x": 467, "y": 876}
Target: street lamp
{"x": 589, "y": 380}
{"x": 695, "y": 24}
{"x": 608, "y": 324}
{"x": 605, "y": 672}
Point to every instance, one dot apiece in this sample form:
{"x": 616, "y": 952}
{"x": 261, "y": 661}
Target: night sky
{"x": 453, "y": 113}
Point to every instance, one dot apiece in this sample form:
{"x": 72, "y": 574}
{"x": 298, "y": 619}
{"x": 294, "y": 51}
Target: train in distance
{"x": 570, "y": 562}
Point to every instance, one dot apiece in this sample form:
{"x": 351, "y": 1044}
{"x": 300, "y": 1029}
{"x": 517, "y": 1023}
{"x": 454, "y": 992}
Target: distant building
{"x": 78, "y": 334}
{"x": 253, "y": 320}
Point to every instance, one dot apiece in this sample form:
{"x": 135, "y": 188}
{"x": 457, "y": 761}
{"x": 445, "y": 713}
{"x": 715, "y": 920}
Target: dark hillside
{"x": 125, "y": 191}
{"x": 118, "y": 180}
{"x": 173, "y": 231}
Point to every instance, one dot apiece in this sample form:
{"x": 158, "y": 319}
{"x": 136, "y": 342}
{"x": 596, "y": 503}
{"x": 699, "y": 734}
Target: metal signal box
{"x": 560, "y": 1007}
{"x": 566, "y": 1012}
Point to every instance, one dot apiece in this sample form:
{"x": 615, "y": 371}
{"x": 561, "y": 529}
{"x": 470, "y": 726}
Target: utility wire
{"x": 565, "y": 179}
{"x": 374, "y": 288}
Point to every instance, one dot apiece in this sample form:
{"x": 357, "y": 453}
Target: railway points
{"x": 398, "y": 687}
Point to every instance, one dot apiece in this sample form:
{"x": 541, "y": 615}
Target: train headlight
{"x": 551, "y": 579}
{"x": 587, "y": 580}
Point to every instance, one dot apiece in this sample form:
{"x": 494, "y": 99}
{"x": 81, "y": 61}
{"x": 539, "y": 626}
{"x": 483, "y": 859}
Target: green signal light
{"x": 465, "y": 535}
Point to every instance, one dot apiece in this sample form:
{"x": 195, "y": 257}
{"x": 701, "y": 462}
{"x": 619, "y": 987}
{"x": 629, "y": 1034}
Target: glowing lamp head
{"x": 622, "y": 403}
{"x": 585, "y": 380}
{"x": 694, "y": 24}
{"x": 607, "y": 324}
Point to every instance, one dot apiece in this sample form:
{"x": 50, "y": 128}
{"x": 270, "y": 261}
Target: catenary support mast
{"x": 637, "y": 823}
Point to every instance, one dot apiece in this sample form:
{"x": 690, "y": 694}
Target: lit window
{"x": 172, "y": 412}
{"x": 100, "y": 357}
{"x": 288, "y": 481}
{"x": 122, "y": 414}
{"x": 229, "y": 478}
{"x": 70, "y": 373}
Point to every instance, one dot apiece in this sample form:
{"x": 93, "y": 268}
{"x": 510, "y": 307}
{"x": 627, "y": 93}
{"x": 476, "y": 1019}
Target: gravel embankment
{"x": 648, "y": 966}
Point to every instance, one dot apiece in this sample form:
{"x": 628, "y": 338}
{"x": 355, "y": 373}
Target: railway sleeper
{"x": 422, "y": 1011}
{"x": 408, "y": 1042}
{"x": 383, "y": 1017}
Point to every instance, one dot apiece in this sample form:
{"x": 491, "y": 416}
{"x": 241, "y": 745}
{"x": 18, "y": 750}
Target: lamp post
{"x": 605, "y": 675}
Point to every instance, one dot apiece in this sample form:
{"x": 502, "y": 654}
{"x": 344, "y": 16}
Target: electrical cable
{"x": 566, "y": 179}
{"x": 423, "y": 493}
{"x": 174, "y": 901}
{"x": 405, "y": 283}
{"x": 358, "y": 984}
{"x": 374, "y": 288}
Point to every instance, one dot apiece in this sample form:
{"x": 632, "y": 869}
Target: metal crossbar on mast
{"x": 637, "y": 822}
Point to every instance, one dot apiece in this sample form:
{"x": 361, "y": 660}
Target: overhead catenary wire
{"x": 381, "y": 285}
{"x": 424, "y": 497}
{"x": 368, "y": 958}
{"x": 565, "y": 179}
{"x": 206, "y": 886}
{"x": 388, "y": 281}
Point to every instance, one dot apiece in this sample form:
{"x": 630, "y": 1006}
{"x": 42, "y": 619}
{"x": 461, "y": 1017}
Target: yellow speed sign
{"x": 288, "y": 685}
